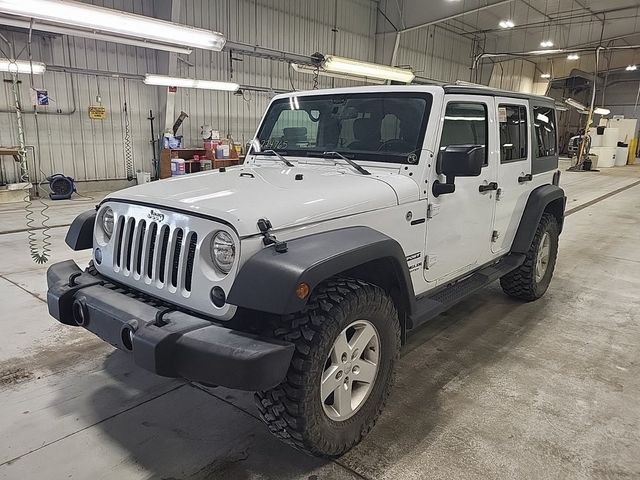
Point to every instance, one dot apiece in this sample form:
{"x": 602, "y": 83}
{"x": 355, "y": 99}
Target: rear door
{"x": 514, "y": 169}
{"x": 460, "y": 224}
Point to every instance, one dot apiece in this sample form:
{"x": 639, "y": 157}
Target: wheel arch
{"x": 545, "y": 199}
{"x": 267, "y": 281}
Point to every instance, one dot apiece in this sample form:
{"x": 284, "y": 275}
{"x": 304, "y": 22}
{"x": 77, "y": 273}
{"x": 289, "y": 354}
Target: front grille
{"x": 157, "y": 253}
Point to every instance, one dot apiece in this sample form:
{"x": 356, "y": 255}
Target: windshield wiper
{"x": 273, "y": 152}
{"x": 348, "y": 160}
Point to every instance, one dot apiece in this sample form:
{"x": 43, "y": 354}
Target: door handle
{"x": 488, "y": 187}
{"x": 525, "y": 178}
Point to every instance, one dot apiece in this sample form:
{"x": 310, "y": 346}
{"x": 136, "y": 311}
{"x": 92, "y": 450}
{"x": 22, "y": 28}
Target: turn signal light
{"x": 302, "y": 291}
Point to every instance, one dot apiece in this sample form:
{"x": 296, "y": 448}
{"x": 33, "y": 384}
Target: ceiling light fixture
{"x": 165, "y": 81}
{"x": 545, "y": 75}
{"x": 74, "y": 32}
{"x": 21, "y": 66}
{"x": 631, "y": 68}
{"x": 323, "y": 73}
{"x": 546, "y": 44}
{"x": 573, "y": 56}
{"x": 116, "y": 22}
{"x": 506, "y": 24}
{"x": 575, "y": 104}
{"x": 601, "y": 111}
{"x": 358, "y": 68}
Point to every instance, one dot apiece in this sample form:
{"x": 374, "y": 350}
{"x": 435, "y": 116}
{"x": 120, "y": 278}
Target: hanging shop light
{"x": 74, "y": 32}
{"x": 546, "y": 44}
{"x": 575, "y": 104}
{"x": 165, "y": 81}
{"x": 323, "y": 73}
{"x": 573, "y": 56}
{"x": 506, "y": 24}
{"x": 631, "y": 68}
{"x": 20, "y": 66}
{"x": 601, "y": 111}
{"x": 115, "y": 22}
{"x": 545, "y": 75}
{"x": 349, "y": 66}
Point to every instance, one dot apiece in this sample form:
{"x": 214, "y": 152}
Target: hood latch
{"x": 269, "y": 239}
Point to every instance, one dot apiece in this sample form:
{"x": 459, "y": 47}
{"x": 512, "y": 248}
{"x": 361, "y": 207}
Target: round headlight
{"x": 107, "y": 222}
{"x": 223, "y": 251}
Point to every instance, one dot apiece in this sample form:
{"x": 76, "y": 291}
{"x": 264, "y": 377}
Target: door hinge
{"x": 430, "y": 261}
{"x": 432, "y": 210}
{"x": 498, "y": 194}
{"x": 495, "y": 235}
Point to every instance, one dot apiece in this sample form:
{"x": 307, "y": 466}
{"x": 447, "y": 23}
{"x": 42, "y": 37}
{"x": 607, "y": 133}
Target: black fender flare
{"x": 549, "y": 198}
{"x": 267, "y": 281}
{"x": 80, "y": 233}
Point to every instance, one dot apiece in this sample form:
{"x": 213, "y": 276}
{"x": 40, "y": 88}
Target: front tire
{"x": 531, "y": 280}
{"x": 347, "y": 342}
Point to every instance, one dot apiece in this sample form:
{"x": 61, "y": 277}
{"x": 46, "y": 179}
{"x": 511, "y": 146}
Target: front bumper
{"x": 166, "y": 342}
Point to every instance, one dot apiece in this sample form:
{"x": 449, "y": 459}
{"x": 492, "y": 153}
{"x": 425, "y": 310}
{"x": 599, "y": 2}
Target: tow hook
{"x": 265, "y": 225}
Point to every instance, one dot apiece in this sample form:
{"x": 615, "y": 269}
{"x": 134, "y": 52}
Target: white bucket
{"x": 177, "y": 166}
{"x": 621, "y": 156}
{"x": 606, "y": 156}
{"x": 143, "y": 177}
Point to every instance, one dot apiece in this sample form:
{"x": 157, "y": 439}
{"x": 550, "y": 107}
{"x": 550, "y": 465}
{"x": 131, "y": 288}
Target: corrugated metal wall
{"x": 345, "y": 27}
{"x": 94, "y": 150}
{"x": 436, "y": 53}
{"x": 70, "y": 142}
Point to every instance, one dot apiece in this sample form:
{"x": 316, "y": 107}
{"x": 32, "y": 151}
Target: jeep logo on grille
{"x": 155, "y": 215}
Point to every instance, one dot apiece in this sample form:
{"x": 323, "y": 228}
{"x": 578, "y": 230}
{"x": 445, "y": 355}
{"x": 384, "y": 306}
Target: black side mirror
{"x": 458, "y": 161}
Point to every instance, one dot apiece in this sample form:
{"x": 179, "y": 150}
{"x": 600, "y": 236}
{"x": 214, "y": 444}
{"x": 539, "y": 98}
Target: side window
{"x": 513, "y": 132}
{"x": 465, "y": 124}
{"x": 544, "y": 120}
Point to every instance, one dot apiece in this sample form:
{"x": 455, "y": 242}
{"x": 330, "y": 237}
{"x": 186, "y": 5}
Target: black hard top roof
{"x": 495, "y": 92}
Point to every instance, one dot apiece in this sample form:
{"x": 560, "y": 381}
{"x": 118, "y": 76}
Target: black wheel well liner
{"x": 546, "y": 198}
{"x": 267, "y": 281}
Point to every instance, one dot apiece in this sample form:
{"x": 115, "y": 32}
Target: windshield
{"x": 383, "y": 127}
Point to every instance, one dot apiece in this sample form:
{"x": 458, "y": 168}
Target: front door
{"x": 460, "y": 224}
{"x": 514, "y": 170}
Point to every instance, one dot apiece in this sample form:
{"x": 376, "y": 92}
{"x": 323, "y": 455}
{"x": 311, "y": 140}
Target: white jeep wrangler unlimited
{"x": 359, "y": 214}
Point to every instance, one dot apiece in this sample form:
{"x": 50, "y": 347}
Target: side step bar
{"x": 434, "y": 304}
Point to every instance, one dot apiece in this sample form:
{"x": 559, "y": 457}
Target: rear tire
{"x": 341, "y": 309}
{"x": 531, "y": 280}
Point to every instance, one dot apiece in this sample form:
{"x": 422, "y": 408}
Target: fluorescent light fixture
{"x": 544, "y": 52}
{"x": 573, "y": 56}
{"x": 601, "y": 111}
{"x": 546, "y": 44}
{"x": 575, "y": 104}
{"x": 506, "y": 24}
{"x": 166, "y": 81}
{"x": 545, "y": 75}
{"x": 21, "y": 66}
{"x": 631, "y": 68}
{"x": 116, "y": 22}
{"x": 323, "y": 73}
{"x": 350, "y": 66}
{"x": 14, "y": 22}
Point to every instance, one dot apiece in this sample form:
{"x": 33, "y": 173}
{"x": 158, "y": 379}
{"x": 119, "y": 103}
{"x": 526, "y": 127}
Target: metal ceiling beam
{"x": 414, "y": 15}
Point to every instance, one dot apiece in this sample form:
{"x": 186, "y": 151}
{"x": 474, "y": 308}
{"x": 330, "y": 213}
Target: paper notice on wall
{"x": 502, "y": 114}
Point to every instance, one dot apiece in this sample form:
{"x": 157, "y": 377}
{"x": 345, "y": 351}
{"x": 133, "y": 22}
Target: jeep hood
{"x": 242, "y": 195}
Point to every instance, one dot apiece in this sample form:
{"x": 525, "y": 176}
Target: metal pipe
{"x": 451, "y": 17}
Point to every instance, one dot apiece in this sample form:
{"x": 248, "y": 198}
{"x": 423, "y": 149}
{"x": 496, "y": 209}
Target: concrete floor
{"x": 492, "y": 389}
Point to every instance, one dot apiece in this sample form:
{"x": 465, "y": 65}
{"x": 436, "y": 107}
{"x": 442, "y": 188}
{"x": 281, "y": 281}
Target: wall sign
{"x": 97, "y": 112}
